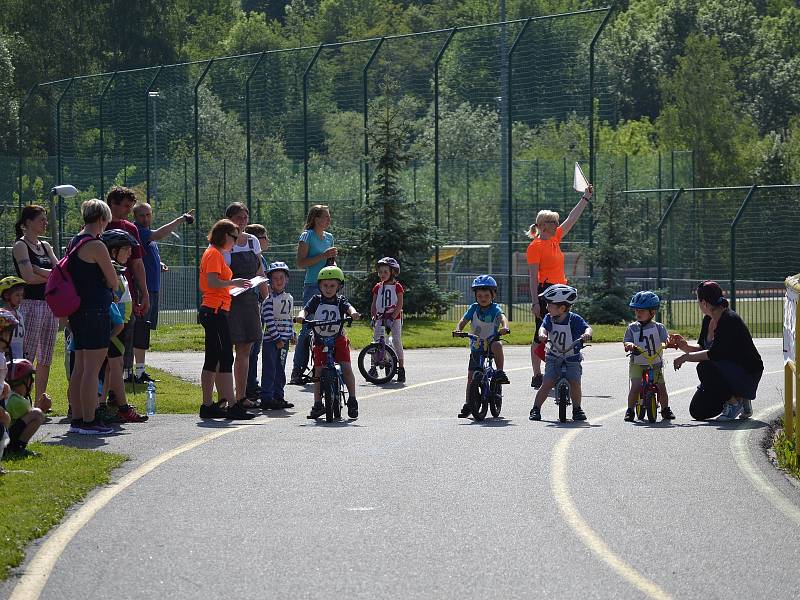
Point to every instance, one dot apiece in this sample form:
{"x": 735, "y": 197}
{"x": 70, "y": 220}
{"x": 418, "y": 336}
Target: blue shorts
{"x": 91, "y": 328}
{"x": 475, "y": 362}
{"x": 552, "y": 370}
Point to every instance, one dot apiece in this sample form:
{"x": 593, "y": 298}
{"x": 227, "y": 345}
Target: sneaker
{"x": 281, "y": 404}
{"x": 296, "y": 378}
{"x": 630, "y": 415}
{"x": 747, "y": 408}
{"x": 536, "y": 381}
{"x": 253, "y": 394}
{"x": 128, "y": 414}
{"x": 213, "y": 411}
{"x": 75, "y": 425}
{"x": 536, "y": 414}
{"x": 94, "y": 428}
{"x": 578, "y": 414}
{"x": 730, "y": 411}
{"x": 401, "y": 375}
{"x": 316, "y": 411}
{"x": 501, "y": 377}
{"x": 373, "y": 371}
{"x": 237, "y": 412}
{"x": 144, "y": 378}
{"x": 21, "y": 452}
{"x": 666, "y": 413}
{"x": 352, "y": 408}
{"x": 466, "y": 411}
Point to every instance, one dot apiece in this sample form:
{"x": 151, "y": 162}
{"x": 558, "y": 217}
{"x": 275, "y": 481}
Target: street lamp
{"x": 154, "y": 95}
{"x": 60, "y": 191}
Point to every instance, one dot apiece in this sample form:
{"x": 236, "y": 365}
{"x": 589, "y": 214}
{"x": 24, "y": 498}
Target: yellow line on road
{"x": 36, "y": 574}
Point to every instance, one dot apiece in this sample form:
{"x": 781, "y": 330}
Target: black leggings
{"x": 219, "y": 348}
{"x": 712, "y": 393}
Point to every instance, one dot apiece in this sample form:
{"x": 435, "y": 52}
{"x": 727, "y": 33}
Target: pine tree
{"x": 388, "y": 224}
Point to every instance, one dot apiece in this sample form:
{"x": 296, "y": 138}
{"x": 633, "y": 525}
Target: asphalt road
{"x": 411, "y": 502}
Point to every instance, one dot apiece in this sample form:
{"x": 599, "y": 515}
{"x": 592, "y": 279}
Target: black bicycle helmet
{"x": 118, "y": 238}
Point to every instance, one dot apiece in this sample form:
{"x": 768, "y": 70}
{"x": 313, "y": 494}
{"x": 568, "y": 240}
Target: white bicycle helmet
{"x": 560, "y": 293}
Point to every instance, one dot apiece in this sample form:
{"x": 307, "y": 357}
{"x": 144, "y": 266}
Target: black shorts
{"x": 91, "y": 328}
{"x": 123, "y": 337}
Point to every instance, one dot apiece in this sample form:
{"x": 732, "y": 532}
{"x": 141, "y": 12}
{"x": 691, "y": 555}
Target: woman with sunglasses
{"x": 216, "y": 278}
{"x": 546, "y": 267}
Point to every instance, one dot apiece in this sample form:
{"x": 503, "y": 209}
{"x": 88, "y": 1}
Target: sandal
{"x": 247, "y": 403}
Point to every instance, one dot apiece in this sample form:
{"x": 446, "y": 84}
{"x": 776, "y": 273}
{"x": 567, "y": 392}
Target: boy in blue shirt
{"x": 562, "y": 328}
{"x": 486, "y": 319}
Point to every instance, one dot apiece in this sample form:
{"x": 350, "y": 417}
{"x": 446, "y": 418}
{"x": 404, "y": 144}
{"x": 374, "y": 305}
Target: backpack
{"x": 59, "y": 291}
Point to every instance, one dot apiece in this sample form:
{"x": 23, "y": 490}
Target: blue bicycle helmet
{"x": 646, "y": 299}
{"x": 484, "y": 282}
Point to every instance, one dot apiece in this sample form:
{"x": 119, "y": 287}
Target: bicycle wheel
{"x": 651, "y": 405}
{"x": 327, "y": 385}
{"x": 479, "y": 405}
{"x": 640, "y": 409}
{"x": 337, "y": 401}
{"x": 562, "y": 399}
{"x": 386, "y": 365}
{"x": 495, "y": 399}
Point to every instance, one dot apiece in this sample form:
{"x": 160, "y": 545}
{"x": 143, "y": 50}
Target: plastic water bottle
{"x": 151, "y": 398}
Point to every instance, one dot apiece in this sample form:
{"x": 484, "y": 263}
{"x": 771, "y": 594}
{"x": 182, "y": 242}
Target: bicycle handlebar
{"x": 472, "y": 336}
{"x": 347, "y": 320}
{"x": 650, "y": 358}
{"x": 576, "y": 345}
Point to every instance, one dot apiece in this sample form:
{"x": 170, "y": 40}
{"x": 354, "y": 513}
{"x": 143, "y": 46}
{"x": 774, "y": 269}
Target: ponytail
{"x": 28, "y": 213}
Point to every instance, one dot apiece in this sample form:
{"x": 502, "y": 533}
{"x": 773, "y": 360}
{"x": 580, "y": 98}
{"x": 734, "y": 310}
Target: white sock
{"x": 139, "y": 369}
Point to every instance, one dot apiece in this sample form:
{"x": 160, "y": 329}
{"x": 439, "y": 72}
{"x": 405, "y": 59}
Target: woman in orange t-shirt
{"x": 215, "y": 279}
{"x": 546, "y": 267}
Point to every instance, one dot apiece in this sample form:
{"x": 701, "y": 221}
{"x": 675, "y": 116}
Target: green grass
{"x": 34, "y": 500}
{"x": 786, "y": 453}
{"x": 417, "y": 333}
{"x": 174, "y": 394}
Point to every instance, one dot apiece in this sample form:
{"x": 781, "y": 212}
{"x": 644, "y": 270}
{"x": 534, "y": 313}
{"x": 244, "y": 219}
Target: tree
{"x": 389, "y": 226}
{"x": 8, "y": 103}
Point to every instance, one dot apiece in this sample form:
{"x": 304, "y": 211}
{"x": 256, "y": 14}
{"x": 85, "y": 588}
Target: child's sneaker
{"x": 401, "y": 375}
{"x": 316, "y": 411}
{"x": 95, "y": 428}
{"x": 75, "y": 425}
{"x": 666, "y": 413}
{"x": 578, "y": 414}
{"x": 536, "y": 381}
{"x": 352, "y": 408}
{"x": 466, "y": 411}
{"x": 501, "y": 377}
{"x": 536, "y": 414}
{"x": 630, "y": 415}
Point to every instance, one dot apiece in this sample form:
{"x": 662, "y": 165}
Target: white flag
{"x": 579, "y": 183}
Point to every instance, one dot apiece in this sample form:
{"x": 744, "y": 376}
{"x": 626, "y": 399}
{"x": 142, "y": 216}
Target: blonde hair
{"x": 542, "y": 215}
{"x": 94, "y": 210}
{"x": 314, "y": 212}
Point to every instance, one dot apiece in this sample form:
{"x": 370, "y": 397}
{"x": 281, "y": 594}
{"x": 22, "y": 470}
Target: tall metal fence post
{"x": 436, "y": 146}
{"x": 750, "y": 193}
{"x": 659, "y": 228}
{"x": 59, "y": 165}
{"x": 305, "y": 126}
{"x": 147, "y": 127}
{"x": 20, "y": 151}
{"x": 510, "y": 162}
{"x": 107, "y": 87}
{"x": 365, "y": 93}
{"x": 247, "y": 166}
{"x": 197, "y": 174}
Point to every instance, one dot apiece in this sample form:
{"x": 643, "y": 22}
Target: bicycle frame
{"x": 381, "y": 341}
{"x": 486, "y": 375}
{"x": 648, "y": 383}
{"x": 563, "y": 399}
{"x": 330, "y": 368}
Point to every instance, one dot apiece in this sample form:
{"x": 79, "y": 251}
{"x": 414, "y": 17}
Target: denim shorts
{"x": 91, "y": 328}
{"x": 552, "y": 369}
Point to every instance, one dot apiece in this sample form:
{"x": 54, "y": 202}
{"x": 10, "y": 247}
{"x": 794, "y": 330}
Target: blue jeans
{"x": 301, "y": 350}
{"x": 252, "y": 371}
{"x": 273, "y": 371}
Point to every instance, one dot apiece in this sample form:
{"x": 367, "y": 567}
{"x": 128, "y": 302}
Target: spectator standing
{"x": 94, "y": 277}
{"x": 120, "y": 201}
{"x": 33, "y": 260}
{"x": 315, "y": 249}
{"x": 143, "y": 219}
{"x": 253, "y": 391}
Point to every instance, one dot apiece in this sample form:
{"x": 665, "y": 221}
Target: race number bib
{"x": 386, "y": 297}
{"x": 327, "y": 312}
{"x": 561, "y": 338}
{"x": 282, "y": 305}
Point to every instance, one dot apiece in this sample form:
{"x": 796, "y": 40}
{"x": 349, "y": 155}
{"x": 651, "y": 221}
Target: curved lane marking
{"x": 38, "y": 571}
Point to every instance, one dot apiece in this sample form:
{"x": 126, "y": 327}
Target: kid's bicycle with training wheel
{"x": 647, "y": 402}
{"x": 484, "y": 390}
{"x": 562, "y": 393}
{"x": 331, "y": 382}
{"x": 377, "y": 361}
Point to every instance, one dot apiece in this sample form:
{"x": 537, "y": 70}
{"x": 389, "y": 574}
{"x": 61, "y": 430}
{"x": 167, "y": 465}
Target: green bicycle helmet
{"x": 332, "y": 272}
